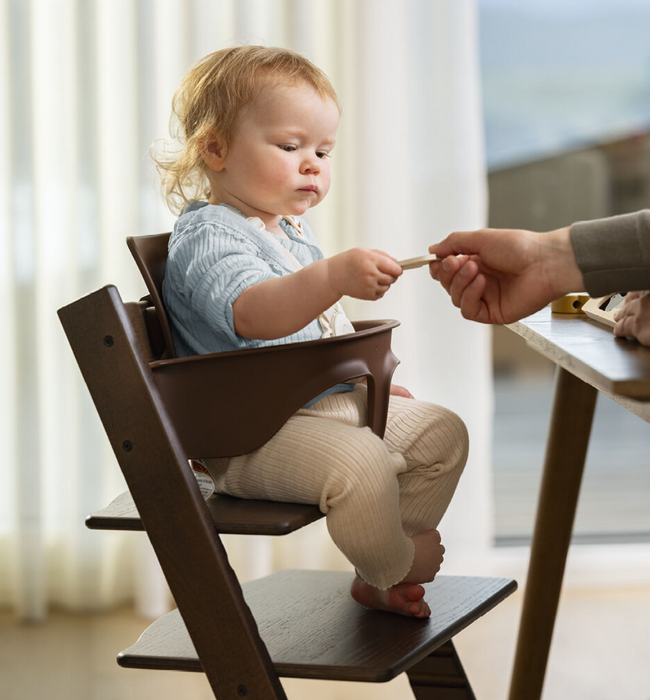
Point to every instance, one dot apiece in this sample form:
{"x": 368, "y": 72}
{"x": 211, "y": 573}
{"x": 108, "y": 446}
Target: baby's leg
{"x": 434, "y": 443}
{"x": 349, "y": 473}
{"x": 353, "y": 477}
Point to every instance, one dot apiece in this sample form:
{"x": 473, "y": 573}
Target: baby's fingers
{"x": 380, "y": 290}
{"x": 386, "y": 280}
{"x": 384, "y": 253}
{"x": 388, "y": 264}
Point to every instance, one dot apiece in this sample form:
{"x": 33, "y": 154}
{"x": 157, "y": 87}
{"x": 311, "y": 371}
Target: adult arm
{"x": 501, "y": 275}
{"x": 613, "y": 254}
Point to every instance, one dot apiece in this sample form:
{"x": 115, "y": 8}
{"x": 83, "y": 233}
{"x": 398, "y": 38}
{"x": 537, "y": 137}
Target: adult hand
{"x": 633, "y": 318}
{"x": 502, "y": 275}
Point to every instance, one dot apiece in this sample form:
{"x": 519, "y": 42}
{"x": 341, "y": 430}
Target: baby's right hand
{"x": 363, "y": 273}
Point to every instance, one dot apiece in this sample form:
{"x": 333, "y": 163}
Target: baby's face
{"x": 278, "y": 160}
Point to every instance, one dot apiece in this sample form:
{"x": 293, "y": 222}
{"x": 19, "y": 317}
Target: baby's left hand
{"x": 397, "y": 390}
{"x": 633, "y": 318}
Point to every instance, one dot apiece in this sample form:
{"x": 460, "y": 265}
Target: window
{"x": 566, "y": 91}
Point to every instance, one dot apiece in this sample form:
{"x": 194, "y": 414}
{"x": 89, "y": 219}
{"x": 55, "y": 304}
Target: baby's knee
{"x": 364, "y": 470}
{"x": 448, "y": 439}
{"x": 461, "y": 435}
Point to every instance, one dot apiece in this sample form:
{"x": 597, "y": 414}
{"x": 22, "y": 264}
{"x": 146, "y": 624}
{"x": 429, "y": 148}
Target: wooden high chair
{"x": 160, "y": 411}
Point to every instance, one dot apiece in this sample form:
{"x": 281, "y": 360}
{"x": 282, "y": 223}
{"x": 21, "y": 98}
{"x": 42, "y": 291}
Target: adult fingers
{"x": 633, "y": 318}
{"x": 468, "y": 242}
{"x": 434, "y": 269}
{"x": 624, "y": 326}
{"x": 624, "y": 308}
{"x": 472, "y": 305}
{"x": 462, "y": 279}
{"x": 629, "y": 307}
{"x": 447, "y": 269}
{"x": 625, "y": 318}
{"x": 643, "y": 319}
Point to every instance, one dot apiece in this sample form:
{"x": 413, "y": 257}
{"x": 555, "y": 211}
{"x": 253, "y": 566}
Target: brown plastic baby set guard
{"x": 159, "y": 411}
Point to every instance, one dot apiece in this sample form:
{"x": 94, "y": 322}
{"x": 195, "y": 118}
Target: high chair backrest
{"x": 150, "y": 254}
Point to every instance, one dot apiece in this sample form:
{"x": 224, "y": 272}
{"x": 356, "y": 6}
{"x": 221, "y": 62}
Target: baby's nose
{"x": 311, "y": 165}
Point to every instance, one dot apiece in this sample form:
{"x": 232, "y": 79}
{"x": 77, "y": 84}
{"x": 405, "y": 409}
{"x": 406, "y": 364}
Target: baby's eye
{"x": 322, "y": 154}
{"x": 287, "y": 147}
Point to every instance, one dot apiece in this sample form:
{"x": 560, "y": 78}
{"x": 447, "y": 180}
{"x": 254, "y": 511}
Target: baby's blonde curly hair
{"x": 210, "y": 98}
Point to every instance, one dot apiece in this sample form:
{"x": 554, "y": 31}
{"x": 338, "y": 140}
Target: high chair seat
{"x": 230, "y": 516}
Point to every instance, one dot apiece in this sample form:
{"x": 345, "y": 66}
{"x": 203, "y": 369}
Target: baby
{"x": 256, "y": 128}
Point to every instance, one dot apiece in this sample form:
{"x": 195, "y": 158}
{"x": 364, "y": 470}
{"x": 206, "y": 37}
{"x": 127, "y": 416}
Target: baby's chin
{"x": 299, "y": 208}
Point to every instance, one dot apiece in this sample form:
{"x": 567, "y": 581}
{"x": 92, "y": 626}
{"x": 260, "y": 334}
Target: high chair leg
{"x": 440, "y": 676}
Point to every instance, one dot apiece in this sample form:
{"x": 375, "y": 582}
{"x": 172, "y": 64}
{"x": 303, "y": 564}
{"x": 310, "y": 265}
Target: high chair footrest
{"x": 231, "y": 516}
{"x": 313, "y": 629}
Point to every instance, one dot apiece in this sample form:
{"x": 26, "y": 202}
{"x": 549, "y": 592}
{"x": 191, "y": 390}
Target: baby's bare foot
{"x": 404, "y": 598}
{"x": 428, "y": 557}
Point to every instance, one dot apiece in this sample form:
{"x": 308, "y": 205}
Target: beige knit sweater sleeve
{"x": 613, "y": 254}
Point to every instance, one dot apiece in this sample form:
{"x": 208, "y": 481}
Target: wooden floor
{"x": 601, "y": 651}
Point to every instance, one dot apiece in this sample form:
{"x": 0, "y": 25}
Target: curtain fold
{"x": 85, "y": 89}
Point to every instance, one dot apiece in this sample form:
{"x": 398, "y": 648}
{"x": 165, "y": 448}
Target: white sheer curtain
{"x": 85, "y": 87}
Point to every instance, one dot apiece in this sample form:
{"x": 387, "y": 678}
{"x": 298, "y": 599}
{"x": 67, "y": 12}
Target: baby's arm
{"x": 281, "y": 306}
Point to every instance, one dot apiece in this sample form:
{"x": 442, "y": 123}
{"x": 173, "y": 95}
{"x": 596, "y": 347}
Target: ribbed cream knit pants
{"x": 375, "y": 493}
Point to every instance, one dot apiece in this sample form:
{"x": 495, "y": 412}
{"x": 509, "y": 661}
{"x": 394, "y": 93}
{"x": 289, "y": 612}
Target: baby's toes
{"x": 420, "y": 609}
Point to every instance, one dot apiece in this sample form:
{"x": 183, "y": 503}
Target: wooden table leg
{"x": 573, "y": 410}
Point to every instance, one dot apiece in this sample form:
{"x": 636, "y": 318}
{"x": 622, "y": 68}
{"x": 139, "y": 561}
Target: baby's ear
{"x": 213, "y": 151}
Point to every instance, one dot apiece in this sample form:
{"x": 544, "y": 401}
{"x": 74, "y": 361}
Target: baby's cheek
{"x": 326, "y": 181}
{"x": 279, "y": 176}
